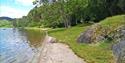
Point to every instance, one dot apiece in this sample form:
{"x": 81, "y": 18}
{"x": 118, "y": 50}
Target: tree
{"x": 65, "y": 13}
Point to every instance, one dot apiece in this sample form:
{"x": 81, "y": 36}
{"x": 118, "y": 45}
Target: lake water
{"x": 19, "y": 46}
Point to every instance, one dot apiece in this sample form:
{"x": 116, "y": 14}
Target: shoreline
{"x": 53, "y": 52}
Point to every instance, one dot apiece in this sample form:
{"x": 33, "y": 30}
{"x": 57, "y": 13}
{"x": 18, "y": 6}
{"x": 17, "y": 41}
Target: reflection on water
{"x": 35, "y": 37}
{"x": 19, "y": 46}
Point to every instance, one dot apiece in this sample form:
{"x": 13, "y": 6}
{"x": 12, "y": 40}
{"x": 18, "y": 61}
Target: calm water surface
{"x": 19, "y": 46}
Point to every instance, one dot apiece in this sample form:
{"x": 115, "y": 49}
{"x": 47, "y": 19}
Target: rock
{"x": 86, "y": 36}
{"x": 123, "y": 31}
{"x": 92, "y": 34}
{"x": 119, "y": 51}
{"x": 119, "y": 47}
{"x": 96, "y": 33}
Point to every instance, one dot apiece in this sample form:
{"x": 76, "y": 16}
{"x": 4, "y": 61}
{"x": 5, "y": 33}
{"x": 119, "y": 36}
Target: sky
{"x": 15, "y": 8}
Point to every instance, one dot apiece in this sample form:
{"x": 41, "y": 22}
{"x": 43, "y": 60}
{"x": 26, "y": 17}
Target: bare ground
{"x": 57, "y": 53}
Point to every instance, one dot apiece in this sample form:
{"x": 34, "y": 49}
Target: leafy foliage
{"x": 5, "y": 23}
{"x": 66, "y": 13}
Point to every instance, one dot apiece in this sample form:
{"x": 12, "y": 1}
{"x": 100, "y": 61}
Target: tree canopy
{"x": 66, "y": 13}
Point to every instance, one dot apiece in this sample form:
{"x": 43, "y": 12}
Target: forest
{"x": 67, "y": 13}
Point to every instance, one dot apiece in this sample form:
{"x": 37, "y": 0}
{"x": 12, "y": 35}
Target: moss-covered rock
{"x": 119, "y": 47}
{"x": 106, "y": 29}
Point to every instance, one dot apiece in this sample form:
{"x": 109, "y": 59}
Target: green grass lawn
{"x": 92, "y": 53}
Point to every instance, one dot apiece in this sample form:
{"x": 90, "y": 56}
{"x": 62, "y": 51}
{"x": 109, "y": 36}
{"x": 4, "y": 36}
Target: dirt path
{"x": 57, "y": 53}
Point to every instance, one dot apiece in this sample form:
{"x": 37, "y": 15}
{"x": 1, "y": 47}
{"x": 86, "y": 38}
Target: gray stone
{"x": 96, "y": 33}
{"x": 91, "y": 34}
{"x": 86, "y": 36}
{"x": 119, "y": 51}
{"x": 119, "y": 48}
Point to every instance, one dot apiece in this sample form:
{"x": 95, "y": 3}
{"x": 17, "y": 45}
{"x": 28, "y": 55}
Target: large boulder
{"x": 86, "y": 36}
{"x": 109, "y": 28}
{"x": 97, "y": 33}
{"x": 93, "y": 34}
{"x": 119, "y": 51}
{"x": 119, "y": 47}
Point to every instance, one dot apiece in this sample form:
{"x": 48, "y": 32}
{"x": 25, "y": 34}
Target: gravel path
{"x": 57, "y": 53}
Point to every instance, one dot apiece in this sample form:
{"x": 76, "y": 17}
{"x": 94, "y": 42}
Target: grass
{"x": 92, "y": 53}
{"x": 107, "y": 27}
{"x": 36, "y": 28}
{"x": 114, "y": 21}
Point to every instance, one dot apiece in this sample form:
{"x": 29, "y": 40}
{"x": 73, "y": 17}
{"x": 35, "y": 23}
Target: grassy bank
{"x": 93, "y": 53}
{"x": 36, "y": 28}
